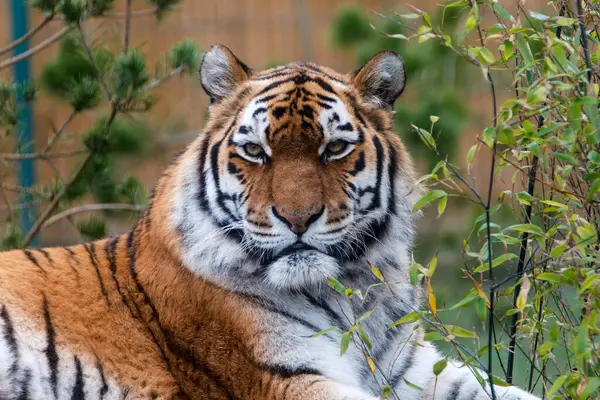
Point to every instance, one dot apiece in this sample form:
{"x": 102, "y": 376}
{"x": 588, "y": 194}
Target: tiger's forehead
{"x": 297, "y": 105}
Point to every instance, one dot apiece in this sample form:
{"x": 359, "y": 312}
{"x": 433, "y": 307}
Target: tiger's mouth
{"x": 295, "y": 248}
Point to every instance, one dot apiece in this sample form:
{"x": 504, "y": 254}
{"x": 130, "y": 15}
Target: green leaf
{"x": 409, "y": 16}
{"x": 460, "y": 332}
{"x": 499, "y": 381}
{"x": 432, "y": 266}
{"x": 488, "y": 136}
{"x": 594, "y": 189}
{"x": 468, "y": 299}
{"x": 377, "y": 272}
{"x": 558, "y": 383}
{"x": 428, "y": 198}
{"x": 345, "y": 342}
{"x": 524, "y": 49}
{"x": 589, "y": 282}
{"x": 407, "y": 319}
{"x": 365, "y": 338}
{"x": 471, "y": 154}
{"x": 538, "y": 16}
{"x": 457, "y": 4}
{"x": 505, "y": 15}
{"x": 497, "y": 261}
{"x": 413, "y": 386}
{"x": 442, "y": 205}
{"x": 336, "y": 285}
{"x": 413, "y": 274}
{"x": 433, "y": 336}
{"x": 563, "y": 21}
{"x": 366, "y": 314}
{"x": 590, "y": 388}
{"x": 530, "y": 228}
{"x": 486, "y": 55}
{"x": 558, "y": 250}
{"x": 325, "y": 331}
{"x": 565, "y": 157}
{"x": 550, "y": 277}
{"x": 439, "y": 366}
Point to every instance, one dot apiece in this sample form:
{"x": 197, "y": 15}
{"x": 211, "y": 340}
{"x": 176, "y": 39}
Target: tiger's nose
{"x": 298, "y": 222}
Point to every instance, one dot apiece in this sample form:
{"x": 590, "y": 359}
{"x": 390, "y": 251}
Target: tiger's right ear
{"x": 221, "y": 73}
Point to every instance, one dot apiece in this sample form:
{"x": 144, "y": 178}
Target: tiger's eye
{"x": 336, "y": 147}
{"x": 253, "y": 149}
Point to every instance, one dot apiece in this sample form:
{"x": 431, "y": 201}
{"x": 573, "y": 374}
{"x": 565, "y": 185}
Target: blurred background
{"x": 262, "y": 33}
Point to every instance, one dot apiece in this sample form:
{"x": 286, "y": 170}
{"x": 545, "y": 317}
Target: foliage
{"x": 443, "y": 81}
{"x": 532, "y": 257}
{"x": 113, "y": 88}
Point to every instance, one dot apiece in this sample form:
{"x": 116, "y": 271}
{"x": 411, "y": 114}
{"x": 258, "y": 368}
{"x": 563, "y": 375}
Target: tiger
{"x": 241, "y": 279}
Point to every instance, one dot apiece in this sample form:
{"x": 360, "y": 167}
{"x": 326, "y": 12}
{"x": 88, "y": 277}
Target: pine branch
{"x": 46, "y": 214}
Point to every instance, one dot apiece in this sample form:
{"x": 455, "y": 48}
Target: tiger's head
{"x": 297, "y": 176}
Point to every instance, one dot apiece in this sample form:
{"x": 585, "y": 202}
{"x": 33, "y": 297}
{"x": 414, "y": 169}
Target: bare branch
{"x": 39, "y": 156}
{"x": 28, "y": 35}
{"x": 58, "y": 132}
{"x": 90, "y": 208}
{"x": 7, "y": 63}
{"x": 127, "y": 26}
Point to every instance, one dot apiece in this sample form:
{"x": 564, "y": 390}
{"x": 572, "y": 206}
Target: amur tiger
{"x": 222, "y": 286}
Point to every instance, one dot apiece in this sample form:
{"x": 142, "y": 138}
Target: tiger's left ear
{"x": 221, "y": 73}
{"x": 382, "y": 79}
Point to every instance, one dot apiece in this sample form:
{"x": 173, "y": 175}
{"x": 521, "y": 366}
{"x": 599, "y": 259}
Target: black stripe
{"x": 455, "y": 391}
{"x": 33, "y": 259}
{"x": 271, "y": 307}
{"x": 111, "y": 255}
{"x": 392, "y": 169}
{"x": 78, "y": 392}
{"x": 407, "y": 362}
{"x": 104, "y": 387}
{"x": 70, "y": 258}
{"x": 275, "y": 84}
{"x": 322, "y": 304}
{"x": 51, "y": 353}
{"x": 45, "y": 254}
{"x": 10, "y": 338}
{"x": 131, "y": 255}
{"x": 91, "y": 250}
{"x": 24, "y": 389}
{"x": 202, "y": 196}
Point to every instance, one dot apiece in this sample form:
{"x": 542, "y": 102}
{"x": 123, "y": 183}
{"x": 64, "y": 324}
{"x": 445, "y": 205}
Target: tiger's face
{"x": 298, "y": 175}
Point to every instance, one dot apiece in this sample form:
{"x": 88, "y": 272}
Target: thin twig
{"x": 58, "y": 132}
{"x": 520, "y": 269}
{"x": 28, "y": 35}
{"x": 157, "y": 82}
{"x": 39, "y": 156}
{"x": 584, "y": 42}
{"x": 89, "y": 208}
{"x": 33, "y": 50}
{"x": 93, "y": 61}
{"x": 127, "y": 26}
{"x": 138, "y": 13}
{"x": 488, "y": 228}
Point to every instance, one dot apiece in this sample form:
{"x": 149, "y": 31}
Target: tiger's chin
{"x": 301, "y": 270}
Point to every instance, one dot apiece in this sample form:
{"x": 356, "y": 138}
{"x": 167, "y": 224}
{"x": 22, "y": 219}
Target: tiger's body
{"x": 219, "y": 290}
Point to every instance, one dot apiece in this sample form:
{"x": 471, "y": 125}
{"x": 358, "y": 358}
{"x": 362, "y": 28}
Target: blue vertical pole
{"x": 21, "y": 75}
